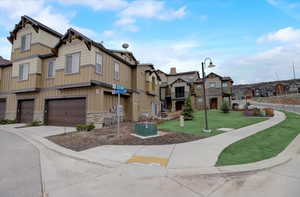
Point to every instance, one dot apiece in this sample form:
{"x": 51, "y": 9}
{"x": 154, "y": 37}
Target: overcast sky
{"x": 249, "y": 40}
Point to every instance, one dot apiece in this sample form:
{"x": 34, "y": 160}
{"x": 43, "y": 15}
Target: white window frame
{"x": 74, "y": 68}
{"x": 27, "y": 42}
{"x": 225, "y": 85}
{"x": 117, "y": 71}
{"x": 23, "y": 71}
{"x": 53, "y": 69}
{"x": 212, "y": 84}
{"x": 99, "y": 62}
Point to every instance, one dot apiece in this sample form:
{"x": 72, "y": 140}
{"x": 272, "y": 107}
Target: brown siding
{"x": 35, "y": 49}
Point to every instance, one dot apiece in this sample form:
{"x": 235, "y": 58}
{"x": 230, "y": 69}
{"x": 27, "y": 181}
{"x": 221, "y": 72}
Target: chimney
{"x": 173, "y": 70}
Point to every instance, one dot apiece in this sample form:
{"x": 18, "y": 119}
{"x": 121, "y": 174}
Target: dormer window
{"x": 25, "y": 42}
{"x": 23, "y": 71}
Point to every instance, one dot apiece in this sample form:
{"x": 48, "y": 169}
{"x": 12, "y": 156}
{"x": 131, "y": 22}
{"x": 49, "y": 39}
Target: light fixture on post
{"x": 211, "y": 65}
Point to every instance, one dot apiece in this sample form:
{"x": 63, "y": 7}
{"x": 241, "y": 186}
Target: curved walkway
{"x": 197, "y": 154}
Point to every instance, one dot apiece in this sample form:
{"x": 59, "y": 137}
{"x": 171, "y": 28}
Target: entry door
{"x": 214, "y": 103}
{"x": 25, "y": 111}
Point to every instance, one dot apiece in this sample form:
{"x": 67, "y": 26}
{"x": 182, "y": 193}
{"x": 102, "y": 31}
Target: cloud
{"x": 291, "y": 9}
{"x": 5, "y": 48}
{"x": 288, "y": 34}
{"x": 147, "y": 9}
{"x": 108, "y": 33}
{"x": 97, "y": 4}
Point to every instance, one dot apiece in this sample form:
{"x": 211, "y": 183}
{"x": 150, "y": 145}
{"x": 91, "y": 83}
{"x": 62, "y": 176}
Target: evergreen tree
{"x": 187, "y": 109}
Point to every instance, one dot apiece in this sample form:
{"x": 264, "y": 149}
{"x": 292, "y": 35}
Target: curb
{"x": 260, "y": 165}
{"x": 62, "y": 151}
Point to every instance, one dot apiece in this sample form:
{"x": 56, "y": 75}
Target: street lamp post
{"x": 211, "y": 65}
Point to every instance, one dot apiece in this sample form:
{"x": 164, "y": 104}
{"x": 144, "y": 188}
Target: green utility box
{"x": 145, "y": 129}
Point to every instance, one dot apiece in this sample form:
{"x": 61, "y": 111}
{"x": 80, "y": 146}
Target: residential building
{"x": 68, "y": 79}
{"x": 176, "y": 87}
{"x": 266, "y": 89}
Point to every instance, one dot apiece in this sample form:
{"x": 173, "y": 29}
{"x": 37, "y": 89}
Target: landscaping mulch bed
{"x": 79, "y": 141}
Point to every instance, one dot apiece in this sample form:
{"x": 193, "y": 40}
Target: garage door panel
{"x": 67, "y": 112}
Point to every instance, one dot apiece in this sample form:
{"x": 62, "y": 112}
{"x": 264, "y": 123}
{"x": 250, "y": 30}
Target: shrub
{"x": 85, "y": 127}
{"x": 8, "y": 121}
{"x": 187, "y": 109}
{"x": 225, "y": 107}
{"x": 35, "y": 123}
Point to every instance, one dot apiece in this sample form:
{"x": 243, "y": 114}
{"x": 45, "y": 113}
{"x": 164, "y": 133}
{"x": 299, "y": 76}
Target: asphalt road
{"x": 20, "y": 172}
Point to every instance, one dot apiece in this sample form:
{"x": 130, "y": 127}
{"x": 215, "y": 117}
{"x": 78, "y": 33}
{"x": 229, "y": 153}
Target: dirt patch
{"x": 79, "y": 141}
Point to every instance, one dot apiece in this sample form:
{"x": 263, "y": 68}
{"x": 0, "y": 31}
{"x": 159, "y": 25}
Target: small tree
{"x": 225, "y": 107}
{"x": 187, "y": 109}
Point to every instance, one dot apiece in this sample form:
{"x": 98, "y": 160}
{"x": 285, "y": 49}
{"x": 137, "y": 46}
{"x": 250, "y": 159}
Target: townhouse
{"x": 176, "y": 87}
{"x": 68, "y": 79}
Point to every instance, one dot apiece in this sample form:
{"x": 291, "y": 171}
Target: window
{"x": 51, "y": 68}
{"x": 72, "y": 63}
{"x": 98, "y": 63}
{"x": 154, "y": 108}
{"x": 225, "y": 85}
{"x": 25, "y": 42}
{"x": 23, "y": 71}
{"x": 153, "y": 83}
{"x": 179, "y": 92}
{"x": 212, "y": 84}
{"x": 117, "y": 71}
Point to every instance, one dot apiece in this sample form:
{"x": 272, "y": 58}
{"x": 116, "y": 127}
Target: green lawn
{"x": 263, "y": 145}
{"x": 216, "y": 120}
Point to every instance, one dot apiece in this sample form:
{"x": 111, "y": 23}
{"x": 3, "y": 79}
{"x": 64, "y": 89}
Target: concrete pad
{"x": 113, "y": 153}
{"x": 163, "y": 151}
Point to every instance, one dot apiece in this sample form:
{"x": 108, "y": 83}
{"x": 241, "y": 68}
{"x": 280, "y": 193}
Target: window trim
{"x": 116, "y": 63}
{"x": 54, "y": 70}
{"x": 183, "y": 87}
{"x": 27, "y": 78}
{"x": 30, "y": 38}
{"x": 66, "y": 56}
{"x": 98, "y": 53}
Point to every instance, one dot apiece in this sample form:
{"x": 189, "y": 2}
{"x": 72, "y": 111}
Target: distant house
{"x": 266, "y": 89}
{"x": 176, "y": 87}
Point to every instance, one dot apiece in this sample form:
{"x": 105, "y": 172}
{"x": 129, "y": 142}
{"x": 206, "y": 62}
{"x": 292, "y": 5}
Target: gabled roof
{"x": 4, "y": 62}
{"x": 74, "y": 34}
{"x": 153, "y": 71}
{"x": 184, "y": 73}
{"x": 178, "y": 80}
{"x": 219, "y": 76}
{"x": 36, "y": 26}
{"x": 124, "y": 52}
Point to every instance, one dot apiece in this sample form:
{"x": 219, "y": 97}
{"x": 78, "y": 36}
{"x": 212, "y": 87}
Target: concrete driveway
{"x": 20, "y": 172}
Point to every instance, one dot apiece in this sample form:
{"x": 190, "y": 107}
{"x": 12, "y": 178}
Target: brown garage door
{"x": 2, "y": 109}
{"x": 66, "y": 112}
{"x": 25, "y": 111}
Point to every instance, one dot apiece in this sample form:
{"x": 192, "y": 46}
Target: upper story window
{"x": 23, "y": 71}
{"x": 25, "y": 42}
{"x": 212, "y": 85}
{"x": 72, "y": 63}
{"x": 153, "y": 83}
{"x": 117, "y": 71}
{"x": 51, "y": 68}
{"x": 179, "y": 92}
{"x": 225, "y": 85}
{"x": 99, "y": 60}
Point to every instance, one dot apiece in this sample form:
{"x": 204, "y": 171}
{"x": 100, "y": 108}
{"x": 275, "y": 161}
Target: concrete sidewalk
{"x": 197, "y": 154}
{"x": 290, "y": 108}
